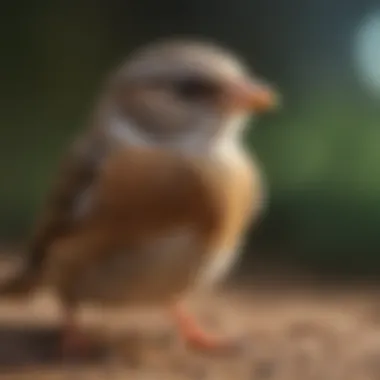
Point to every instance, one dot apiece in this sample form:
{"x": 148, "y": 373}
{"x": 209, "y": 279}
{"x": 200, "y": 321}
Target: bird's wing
{"x": 68, "y": 203}
{"x": 70, "y": 198}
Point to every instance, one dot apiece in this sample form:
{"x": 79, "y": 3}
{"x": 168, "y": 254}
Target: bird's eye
{"x": 192, "y": 88}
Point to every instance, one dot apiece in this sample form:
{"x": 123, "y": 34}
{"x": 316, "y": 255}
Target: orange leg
{"x": 195, "y": 336}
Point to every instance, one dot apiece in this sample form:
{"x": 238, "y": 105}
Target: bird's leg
{"x": 74, "y": 341}
{"x": 194, "y": 336}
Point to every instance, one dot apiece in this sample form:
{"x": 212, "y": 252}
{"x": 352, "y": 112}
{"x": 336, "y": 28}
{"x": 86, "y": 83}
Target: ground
{"x": 290, "y": 333}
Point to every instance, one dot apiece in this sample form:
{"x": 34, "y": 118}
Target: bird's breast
{"x": 160, "y": 222}
{"x": 239, "y": 196}
{"x": 151, "y": 272}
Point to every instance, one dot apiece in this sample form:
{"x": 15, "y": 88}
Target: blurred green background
{"x": 320, "y": 152}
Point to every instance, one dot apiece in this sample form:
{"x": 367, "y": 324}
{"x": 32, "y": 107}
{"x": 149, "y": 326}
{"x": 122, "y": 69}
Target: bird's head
{"x": 181, "y": 91}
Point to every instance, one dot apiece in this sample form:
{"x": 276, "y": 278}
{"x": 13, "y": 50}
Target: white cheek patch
{"x": 199, "y": 141}
{"x": 126, "y": 132}
{"x": 227, "y": 148}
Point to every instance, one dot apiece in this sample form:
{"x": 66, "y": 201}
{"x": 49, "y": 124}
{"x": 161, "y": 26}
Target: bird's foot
{"x": 198, "y": 339}
{"x": 202, "y": 341}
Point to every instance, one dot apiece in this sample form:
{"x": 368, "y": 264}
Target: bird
{"x": 154, "y": 197}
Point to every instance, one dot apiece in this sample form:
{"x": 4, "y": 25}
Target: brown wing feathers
{"x": 77, "y": 173}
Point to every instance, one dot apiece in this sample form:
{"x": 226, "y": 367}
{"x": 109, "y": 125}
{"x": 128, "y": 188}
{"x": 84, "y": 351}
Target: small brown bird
{"x": 155, "y": 197}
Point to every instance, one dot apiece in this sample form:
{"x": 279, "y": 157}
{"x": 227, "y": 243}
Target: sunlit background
{"x": 321, "y": 152}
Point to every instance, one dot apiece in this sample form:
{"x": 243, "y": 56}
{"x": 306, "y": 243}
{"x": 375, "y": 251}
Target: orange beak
{"x": 257, "y": 98}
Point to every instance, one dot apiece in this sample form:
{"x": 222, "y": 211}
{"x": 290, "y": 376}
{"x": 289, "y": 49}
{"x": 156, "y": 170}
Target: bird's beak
{"x": 251, "y": 97}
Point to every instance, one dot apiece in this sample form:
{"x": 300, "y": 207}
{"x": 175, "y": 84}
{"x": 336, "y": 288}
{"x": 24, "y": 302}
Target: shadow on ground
{"x": 22, "y": 346}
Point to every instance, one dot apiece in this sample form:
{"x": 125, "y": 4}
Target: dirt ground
{"x": 288, "y": 333}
